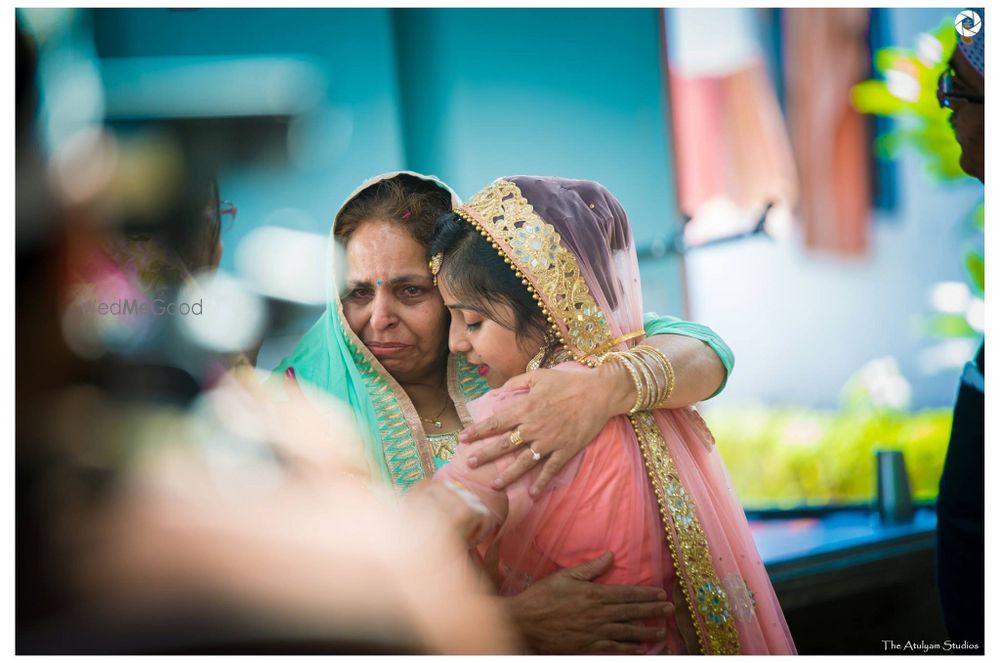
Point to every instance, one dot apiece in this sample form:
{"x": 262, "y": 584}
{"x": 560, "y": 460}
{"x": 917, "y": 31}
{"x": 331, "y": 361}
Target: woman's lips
{"x": 483, "y": 369}
{"x": 387, "y": 349}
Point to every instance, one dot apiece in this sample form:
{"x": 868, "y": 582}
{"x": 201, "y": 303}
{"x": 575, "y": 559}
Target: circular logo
{"x": 968, "y": 23}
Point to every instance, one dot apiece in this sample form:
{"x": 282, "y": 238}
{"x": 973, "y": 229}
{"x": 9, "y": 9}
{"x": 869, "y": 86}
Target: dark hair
{"x": 412, "y": 202}
{"x": 475, "y": 271}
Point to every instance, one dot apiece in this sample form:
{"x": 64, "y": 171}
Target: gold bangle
{"x": 639, "y": 391}
{"x": 660, "y": 377}
{"x": 655, "y": 371}
{"x": 667, "y": 367}
{"x": 652, "y": 387}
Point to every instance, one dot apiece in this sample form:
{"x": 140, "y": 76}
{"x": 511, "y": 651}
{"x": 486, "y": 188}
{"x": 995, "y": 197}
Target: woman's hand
{"x": 567, "y": 613}
{"x": 459, "y": 507}
{"x": 561, "y": 413}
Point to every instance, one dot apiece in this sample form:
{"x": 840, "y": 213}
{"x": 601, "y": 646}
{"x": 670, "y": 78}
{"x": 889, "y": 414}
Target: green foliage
{"x": 780, "y": 458}
{"x": 976, "y": 267}
{"x": 949, "y": 325}
{"x": 979, "y": 216}
{"x": 975, "y": 260}
{"x": 907, "y": 92}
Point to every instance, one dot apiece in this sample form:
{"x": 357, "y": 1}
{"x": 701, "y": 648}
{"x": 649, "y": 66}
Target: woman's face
{"x": 492, "y": 347}
{"x": 391, "y": 303}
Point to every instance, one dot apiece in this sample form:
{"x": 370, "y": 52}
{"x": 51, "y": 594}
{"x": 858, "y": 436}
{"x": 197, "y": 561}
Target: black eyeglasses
{"x": 947, "y": 94}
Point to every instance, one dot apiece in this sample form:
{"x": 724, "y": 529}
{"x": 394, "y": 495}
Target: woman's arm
{"x": 563, "y": 412}
{"x": 686, "y": 344}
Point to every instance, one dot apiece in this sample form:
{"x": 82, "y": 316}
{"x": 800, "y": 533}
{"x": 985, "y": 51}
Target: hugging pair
{"x": 540, "y": 274}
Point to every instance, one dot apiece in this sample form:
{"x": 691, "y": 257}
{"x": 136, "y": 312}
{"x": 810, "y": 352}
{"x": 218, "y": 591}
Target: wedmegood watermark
{"x": 134, "y": 306}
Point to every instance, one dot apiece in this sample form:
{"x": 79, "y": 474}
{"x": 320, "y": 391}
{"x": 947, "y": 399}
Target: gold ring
{"x": 515, "y": 438}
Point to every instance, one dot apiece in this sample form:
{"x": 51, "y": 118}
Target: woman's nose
{"x": 383, "y": 312}
{"x": 458, "y": 340}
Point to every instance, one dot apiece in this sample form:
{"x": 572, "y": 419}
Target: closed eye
{"x": 411, "y": 291}
{"x": 360, "y": 293}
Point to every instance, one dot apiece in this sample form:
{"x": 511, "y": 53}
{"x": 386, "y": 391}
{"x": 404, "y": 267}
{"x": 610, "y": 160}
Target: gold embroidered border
{"x": 707, "y": 597}
{"x": 551, "y": 272}
{"x": 404, "y": 444}
{"x": 443, "y": 446}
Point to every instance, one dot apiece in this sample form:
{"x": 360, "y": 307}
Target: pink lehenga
{"x": 651, "y": 487}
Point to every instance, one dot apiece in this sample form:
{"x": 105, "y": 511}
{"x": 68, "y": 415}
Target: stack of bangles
{"x": 651, "y": 371}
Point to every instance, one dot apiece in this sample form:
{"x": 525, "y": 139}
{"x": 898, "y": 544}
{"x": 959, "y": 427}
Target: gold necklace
{"x": 436, "y": 419}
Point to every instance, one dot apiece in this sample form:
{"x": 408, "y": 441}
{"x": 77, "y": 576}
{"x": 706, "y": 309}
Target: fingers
{"x": 627, "y": 612}
{"x": 609, "y": 647}
{"x": 592, "y": 568}
{"x": 632, "y": 633}
{"x": 500, "y": 422}
{"x": 525, "y": 462}
{"x": 491, "y": 451}
{"x": 553, "y": 465}
{"x": 626, "y": 593}
{"x": 475, "y": 523}
{"x": 503, "y": 422}
{"x": 522, "y": 381}
{"x": 461, "y": 509}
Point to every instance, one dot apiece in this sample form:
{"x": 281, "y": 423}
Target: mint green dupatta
{"x": 332, "y": 359}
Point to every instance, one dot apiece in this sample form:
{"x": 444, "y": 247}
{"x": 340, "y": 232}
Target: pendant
{"x": 437, "y": 423}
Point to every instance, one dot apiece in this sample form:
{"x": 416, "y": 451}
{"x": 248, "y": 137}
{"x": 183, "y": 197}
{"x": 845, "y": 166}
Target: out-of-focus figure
{"x": 157, "y": 516}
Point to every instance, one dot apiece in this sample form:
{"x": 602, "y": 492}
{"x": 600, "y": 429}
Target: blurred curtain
{"x": 826, "y": 52}
{"x": 732, "y": 149}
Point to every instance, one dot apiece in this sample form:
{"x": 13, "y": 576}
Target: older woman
{"x": 381, "y": 347}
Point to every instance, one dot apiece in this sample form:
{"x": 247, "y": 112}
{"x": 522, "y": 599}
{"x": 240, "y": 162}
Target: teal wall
{"x": 466, "y": 94}
{"x": 570, "y": 92}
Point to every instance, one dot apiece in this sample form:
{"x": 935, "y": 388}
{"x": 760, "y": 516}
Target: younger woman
{"x": 542, "y": 272}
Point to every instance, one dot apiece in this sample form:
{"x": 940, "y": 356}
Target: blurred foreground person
{"x": 961, "y": 553}
{"x": 154, "y": 516}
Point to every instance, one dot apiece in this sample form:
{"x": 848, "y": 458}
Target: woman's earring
{"x": 547, "y": 348}
{"x": 536, "y": 361}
